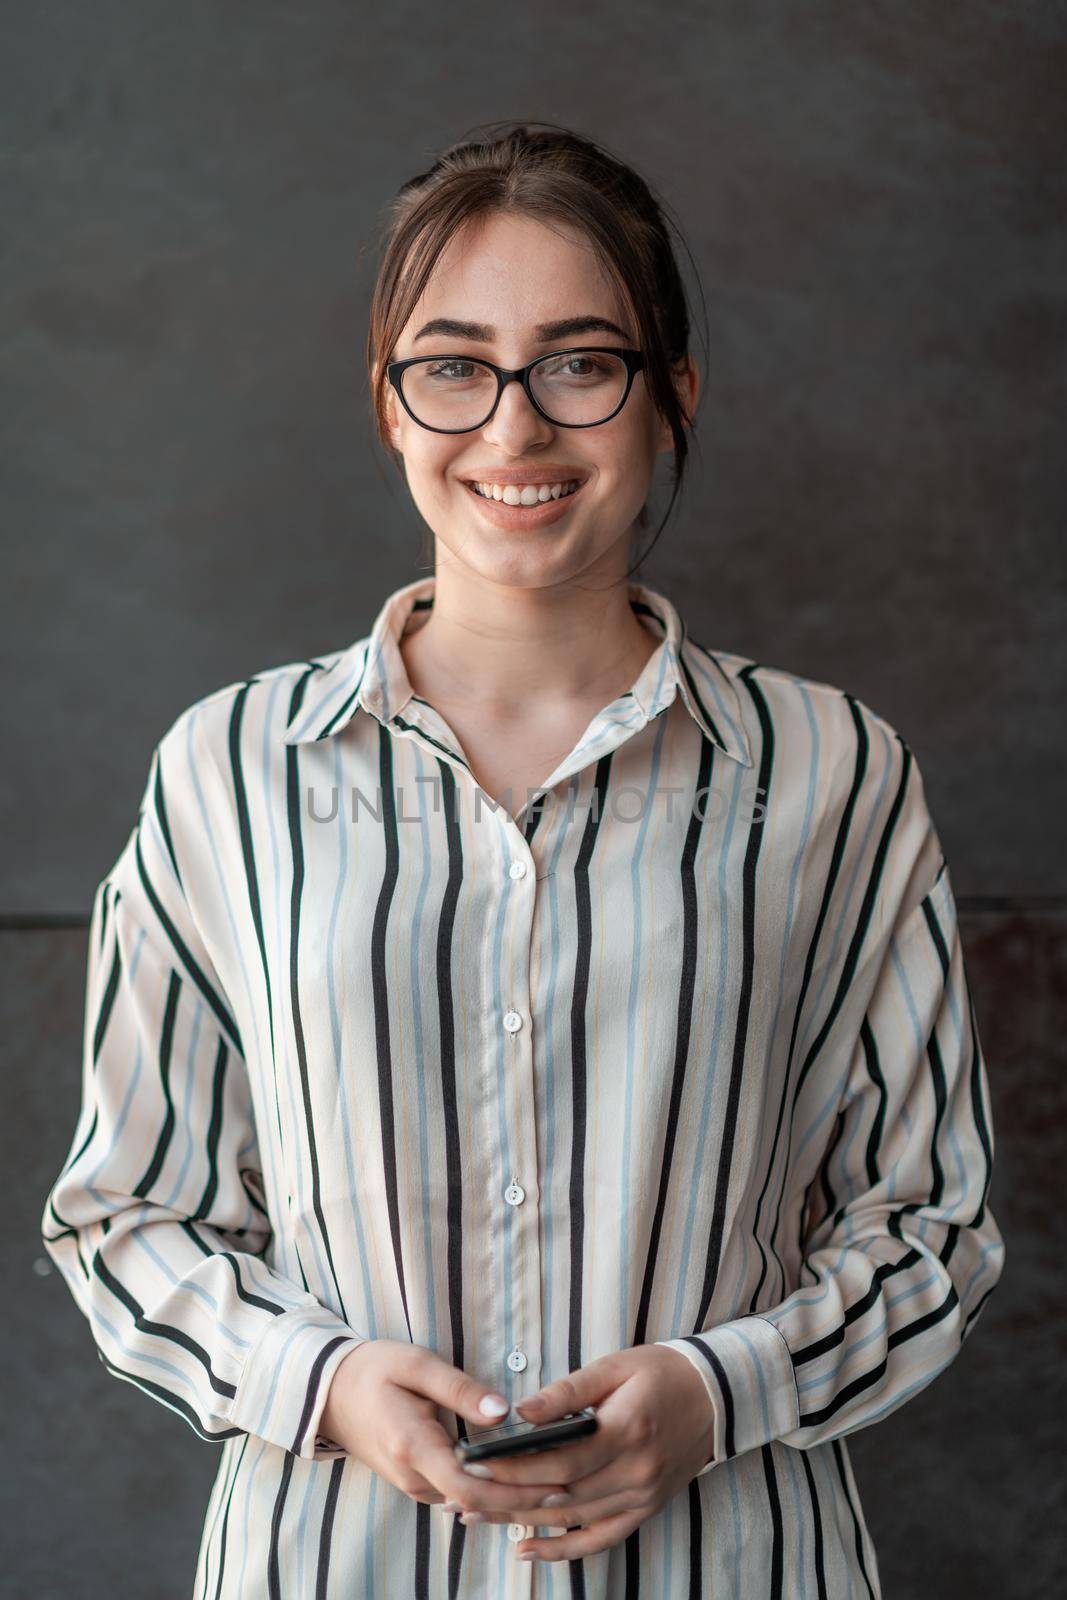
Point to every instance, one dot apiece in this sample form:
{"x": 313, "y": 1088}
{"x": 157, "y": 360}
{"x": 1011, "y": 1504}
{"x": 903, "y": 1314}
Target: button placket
{"x": 524, "y": 1356}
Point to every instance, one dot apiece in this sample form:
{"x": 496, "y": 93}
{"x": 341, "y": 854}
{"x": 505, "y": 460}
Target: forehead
{"x": 511, "y": 272}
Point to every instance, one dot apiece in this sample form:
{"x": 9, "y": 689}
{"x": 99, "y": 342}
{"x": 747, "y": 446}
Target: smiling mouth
{"x": 521, "y": 498}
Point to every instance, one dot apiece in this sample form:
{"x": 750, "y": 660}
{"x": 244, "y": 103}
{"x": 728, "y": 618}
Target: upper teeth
{"x": 515, "y": 494}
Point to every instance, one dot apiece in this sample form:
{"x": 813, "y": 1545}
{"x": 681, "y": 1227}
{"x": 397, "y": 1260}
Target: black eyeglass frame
{"x": 634, "y": 360}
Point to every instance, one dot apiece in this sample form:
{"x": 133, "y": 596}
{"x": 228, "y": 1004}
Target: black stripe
{"x": 877, "y": 1077}
{"x": 899, "y": 1336}
{"x": 296, "y": 841}
{"x": 823, "y": 1179}
{"x": 533, "y": 816}
{"x": 185, "y": 955}
{"x": 980, "y": 1124}
{"x": 329, "y": 1512}
{"x": 142, "y": 1189}
{"x": 859, "y": 1308}
{"x": 105, "y": 912}
{"x": 865, "y": 913}
{"x": 173, "y": 1401}
{"x": 274, "y": 1582}
{"x": 787, "y": 1098}
{"x": 682, "y": 1029}
{"x": 342, "y": 713}
{"x": 175, "y": 1336}
{"x": 838, "y": 1448}
{"x": 218, "y": 1086}
{"x": 446, "y": 1027}
{"x": 160, "y": 804}
{"x": 409, "y": 727}
{"x": 258, "y": 1302}
{"x": 380, "y": 988}
{"x": 698, "y": 701}
{"x": 312, "y": 1389}
{"x": 818, "y": 1553}
{"x": 582, "y": 953}
{"x": 107, "y": 1002}
{"x": 240, "y": 1454}
{"x": 696, "y": 1540}
{"x": 729, "y": 1447}
{"x": 933, "y": 1052}
{"x": 774, "y": 1501}
{"x": 725, "y": 1144}
{"x": 248, "y": 858}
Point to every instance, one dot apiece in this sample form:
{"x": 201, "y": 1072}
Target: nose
{"x": 516, "y": 422}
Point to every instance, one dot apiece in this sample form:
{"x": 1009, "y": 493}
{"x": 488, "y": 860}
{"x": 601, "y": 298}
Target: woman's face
{"x": 510, "y": 274}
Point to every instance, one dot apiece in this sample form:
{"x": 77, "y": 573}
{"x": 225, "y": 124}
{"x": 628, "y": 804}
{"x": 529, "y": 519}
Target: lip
{"x": 519, "y": 518}
{"x": 546, "y": 472}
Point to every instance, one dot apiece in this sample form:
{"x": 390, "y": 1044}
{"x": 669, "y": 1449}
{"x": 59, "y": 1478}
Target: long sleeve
{"x": 900, "y": 1249}
{"x": 157, "y": 1220}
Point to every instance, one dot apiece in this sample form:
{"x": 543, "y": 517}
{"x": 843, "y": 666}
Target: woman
{"x": 528, "y": 1001}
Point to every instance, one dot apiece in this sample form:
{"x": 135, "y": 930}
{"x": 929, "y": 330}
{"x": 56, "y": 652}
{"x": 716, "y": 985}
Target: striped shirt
{"x": 680, "y": 1051}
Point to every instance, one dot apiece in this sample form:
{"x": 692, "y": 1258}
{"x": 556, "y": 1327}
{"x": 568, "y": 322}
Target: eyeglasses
{"x": 456, "y": 394}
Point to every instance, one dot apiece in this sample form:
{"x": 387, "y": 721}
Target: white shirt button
{"x": 514, "y": 1194}
{"x": 512, "y": 1021}
{"x": 518, "y": 1531}
{"x": 517, "y": 1360}
{"x": 517, "y": 869}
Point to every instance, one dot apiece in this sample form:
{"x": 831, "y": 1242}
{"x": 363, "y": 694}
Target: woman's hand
{"x": 654, "y": 1434}
{"x": 382, "y": 1406}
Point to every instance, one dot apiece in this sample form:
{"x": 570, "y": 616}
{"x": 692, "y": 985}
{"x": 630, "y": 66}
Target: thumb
{"x": 586, "y": 1387}
{"x": 457, "y": 1391}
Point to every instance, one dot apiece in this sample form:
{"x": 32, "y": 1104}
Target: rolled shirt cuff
{"x": 283, "y": 1387}
{"x": 748, "y": 1372}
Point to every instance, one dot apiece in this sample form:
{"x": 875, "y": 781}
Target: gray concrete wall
{"x": 875, "y": 199}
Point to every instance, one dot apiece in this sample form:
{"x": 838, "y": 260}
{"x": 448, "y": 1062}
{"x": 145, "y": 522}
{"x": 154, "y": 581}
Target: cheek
{"x": 430, "y": 477}
{"x": 629, "y": 450}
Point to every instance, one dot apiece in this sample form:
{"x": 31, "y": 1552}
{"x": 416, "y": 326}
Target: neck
{"x": 501, "y": 649}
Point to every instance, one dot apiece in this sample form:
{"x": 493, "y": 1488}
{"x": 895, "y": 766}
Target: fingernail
{"x": 556, "y": 1499}
{"x": 451, "y": 1505}
{"x": 493, "y": 1406}
{"x": 476, "y": 1470}
{"x": 471, "y": 1516}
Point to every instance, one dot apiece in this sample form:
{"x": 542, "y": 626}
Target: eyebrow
{"x": 547, "y": 332}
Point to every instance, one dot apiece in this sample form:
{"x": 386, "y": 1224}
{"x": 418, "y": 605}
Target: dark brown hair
{"x": 548, "y": 172}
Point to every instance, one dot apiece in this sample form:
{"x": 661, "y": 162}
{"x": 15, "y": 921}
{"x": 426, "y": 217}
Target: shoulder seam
{"x": 318, "y": 664}
{"x": 735, "y": 662}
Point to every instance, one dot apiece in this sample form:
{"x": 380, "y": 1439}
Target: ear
{"x": 687, "y": 384}
{"x": 391, "y": 418}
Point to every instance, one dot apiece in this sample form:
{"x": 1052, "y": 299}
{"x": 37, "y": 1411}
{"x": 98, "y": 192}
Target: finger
{"x": 427, "y": 1373}
{"x": 562, "y": 1464}
{"x": 589, "y": 1474}
{"x": 588, "y": 1386}
{"x": 573, "y": 1513}
{"x": 438, "y": 1463}
{"x": 582, "y": 1541}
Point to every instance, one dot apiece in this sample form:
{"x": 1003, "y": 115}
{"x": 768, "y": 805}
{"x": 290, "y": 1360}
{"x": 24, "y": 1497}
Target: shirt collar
{"x": 370, "y": 674}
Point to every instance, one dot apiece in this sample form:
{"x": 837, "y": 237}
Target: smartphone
{"x": 522, "y": 1438}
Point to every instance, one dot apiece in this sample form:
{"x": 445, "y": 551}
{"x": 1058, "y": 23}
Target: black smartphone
{"x": 522, "y": 1438}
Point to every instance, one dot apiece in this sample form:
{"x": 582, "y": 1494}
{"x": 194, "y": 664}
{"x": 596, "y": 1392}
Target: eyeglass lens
{"x": 582, "y": 387}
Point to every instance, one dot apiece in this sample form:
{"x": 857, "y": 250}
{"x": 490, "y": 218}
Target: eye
{"x": 576, "y": 366}
{"x": 448, "y": 369}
